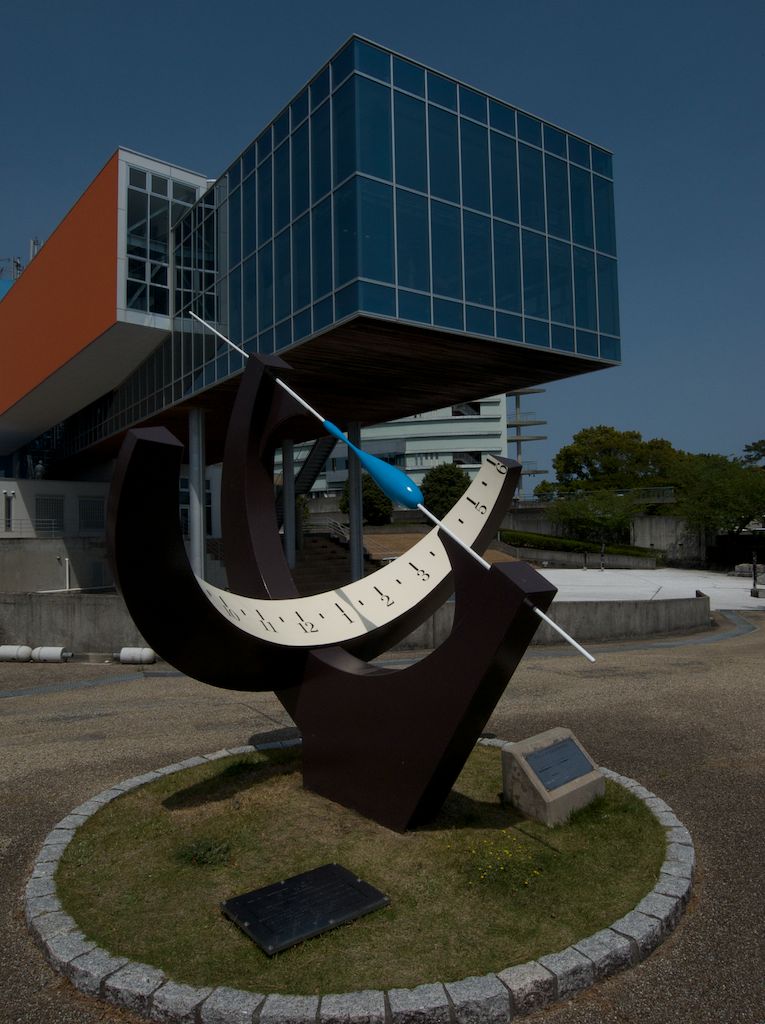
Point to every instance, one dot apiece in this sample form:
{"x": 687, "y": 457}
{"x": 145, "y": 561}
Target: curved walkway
{"x": 686, "y": 721}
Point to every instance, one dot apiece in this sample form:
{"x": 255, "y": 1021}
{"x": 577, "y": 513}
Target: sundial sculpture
{"x": 387, "y": 743}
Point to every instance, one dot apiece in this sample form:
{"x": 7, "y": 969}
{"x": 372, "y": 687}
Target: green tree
{"x": 442, "y": 486}
{"x": 600, "y": 516}
{"x": 719, "y": 494}
{"x": 754, "y": 453}
{"x": 604, "y": 458}
{"x": 376, "y": 505}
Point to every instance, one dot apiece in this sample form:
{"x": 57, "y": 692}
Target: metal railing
{"x": 25, "y": 529}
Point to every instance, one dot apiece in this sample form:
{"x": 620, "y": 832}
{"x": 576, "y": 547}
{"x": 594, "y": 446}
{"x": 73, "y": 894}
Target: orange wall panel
{"x": 66, "y": 297}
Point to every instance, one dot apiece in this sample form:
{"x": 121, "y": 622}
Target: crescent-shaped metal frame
{"x": 388, "y": 743}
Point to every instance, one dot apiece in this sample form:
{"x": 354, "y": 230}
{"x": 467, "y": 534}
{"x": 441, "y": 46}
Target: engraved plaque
{"x": 560, "y": 763}
{"x": 281, "y": 915}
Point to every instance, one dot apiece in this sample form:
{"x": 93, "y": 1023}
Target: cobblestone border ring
{"x": 491, "y": 999}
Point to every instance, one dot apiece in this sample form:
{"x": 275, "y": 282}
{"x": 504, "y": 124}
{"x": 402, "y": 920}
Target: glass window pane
{"x": 478, "y": 269}
{"x": 265, "y": 227}
{"x": 281, "y": 187}
{"x": 266, "y": 342}
{"x": 346, "y": 241}
{"x": 342, "y": 65}
{"x": 264, "y": 144}
{"x": 446, "y": 249}
{"x": 529, "y": 129}
{"x": 534, "y": 275}
{"x": 507, "y": 266}
{"x": 249, "y": 297}
{"x": 448, "y": 314}
{"x": 411, "y": 154}
{"x": 408, "y": 76}
{"x": 301, "y": 262}
{"x": 412, "y": 241}
{"x": 504, "y": 177}
{"x": 300, "y": 175}
{"x": 322, "y": 314}
{"x": 159, "y": 183}
{"x": 137, "y": 178}
{"x": 159, "y": 228}
{"x": 344, "y": 131}
{"x": 581, "y": 206}
{"x": 412, "y": 306}
{"x": 610, "y": 348}
{"x": 321, "y": 224}
{"x": 265, "y": 287}
{"x": 586, "y": 343}
{"x": 375, "y": 206}
{"x": 249, "y": 161}
{"x": 235, "y": 228}
{"x": 283, "y": 334}
{"x": 320, "y": 88}
{"x": 184, "y": 193}
{"x": 320, "y": 153}
{"x": 281, "y": 127}
{"x": 605, "y": 231}
{"x": 601, "y": 162}
{"x": 562, "y": 338}
{"x": 299, "y": 109}
{"x": 475, "y": 166}
{"x": 555, "y": 141}
{"x": 608, "y": 295}
{"x": 347, "y": 300}
{"x": 472, "y": 104}
{"x": 444, "y": 155}
{"x": 372, "y": 61}
{"x": 479, "y": 321}
{"x": 537, "y": 333}
{"x": 441, "y": 90}
{"x": 558, "y": 215}
{"x": 377, "y": 298}
{"x": 501, "y": 117}
{"x": 235, "y": 305}
{"x": 532, "y": 188}
{"x": 509, "y": 326}
{"x": 561, "y": 285}
{"x": 301, "y": 325}
{"x": 578, "y": 151}
{"x": 584, "y": 289}
{"x": 373, "y": 129}
{"x": 282, "y": 276}
{"x": 137, "y": 222}
{"x": 249, "y": 215}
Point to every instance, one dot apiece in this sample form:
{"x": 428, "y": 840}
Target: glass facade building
{"x": 387, "y": 189}
{"x": 464, "y": 235}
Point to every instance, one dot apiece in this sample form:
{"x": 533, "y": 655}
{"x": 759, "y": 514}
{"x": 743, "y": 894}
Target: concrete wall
{"x": 83, "y": 623}
{"x": 87, "y": 623}
{"x": 682, "y": 545}
{"x": 19, "y": 497}
{"x": 591, "y": 621}
{"x": 573, "y": 560}
{"x": 27, "y": 565}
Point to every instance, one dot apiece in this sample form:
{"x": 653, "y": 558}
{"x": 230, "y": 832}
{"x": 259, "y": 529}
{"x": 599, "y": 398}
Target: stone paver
{"x": 366, "y": 1007}
{"x": 572, "y": 970}
{"x": 609, "y": 952}
{"x": 283, "y": 1009}
{"x": 89, "y": 971}
{"x": 133, "y": 985}
{"x": 483, "y": 1000}
{"x": 425, "y": 1004}
{"x": 531, "y": 986}
{"x": 230, "y": 1006}
{"x": 177, "y": 1003}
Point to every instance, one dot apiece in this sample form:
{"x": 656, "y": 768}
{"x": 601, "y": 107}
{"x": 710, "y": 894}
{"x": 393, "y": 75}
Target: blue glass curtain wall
{"x": 389, "y": 189}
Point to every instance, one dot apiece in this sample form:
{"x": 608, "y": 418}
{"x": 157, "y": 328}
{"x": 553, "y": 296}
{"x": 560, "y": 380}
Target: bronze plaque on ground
{"x": 281, "y": 915}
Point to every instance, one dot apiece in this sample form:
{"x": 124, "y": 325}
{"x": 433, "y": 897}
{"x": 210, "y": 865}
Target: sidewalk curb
{"x": 491, "y": 999}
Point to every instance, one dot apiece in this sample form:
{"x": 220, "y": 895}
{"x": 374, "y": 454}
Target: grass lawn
{"x": 476, "y": 891}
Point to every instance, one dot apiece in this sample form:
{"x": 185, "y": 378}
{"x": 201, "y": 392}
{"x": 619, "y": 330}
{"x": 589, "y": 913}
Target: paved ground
{"x": 687, "y": 721}
{"x": 651, "y": 584}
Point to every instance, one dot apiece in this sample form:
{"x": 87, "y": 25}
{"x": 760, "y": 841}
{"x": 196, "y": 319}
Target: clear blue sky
{"x": 674, "y": 88}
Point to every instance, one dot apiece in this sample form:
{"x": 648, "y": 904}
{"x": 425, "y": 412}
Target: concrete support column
{"x": 197, "y": 525}
{"x": 355, "y": 512}
{"x": 288, "y": 501}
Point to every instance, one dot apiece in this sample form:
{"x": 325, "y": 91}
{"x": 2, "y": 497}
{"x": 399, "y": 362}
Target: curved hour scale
{"x": 388, "y": 743}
